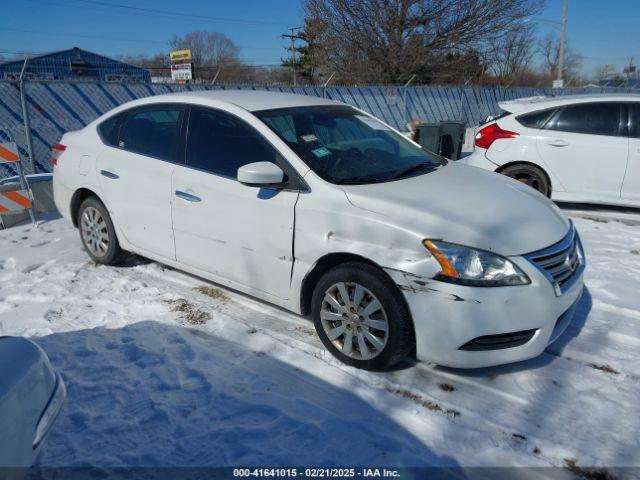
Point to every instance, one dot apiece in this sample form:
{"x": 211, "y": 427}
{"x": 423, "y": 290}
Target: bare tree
{"x": 211, "y": 51}
{"x": 510, "y": 56}
{"x": 549, "y": 47}
{"x": 157, "y": 64}
{"x": 395, "y": 38}
{"x": 605, "y": 72}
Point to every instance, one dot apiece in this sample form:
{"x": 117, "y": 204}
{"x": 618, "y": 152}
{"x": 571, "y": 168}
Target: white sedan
{"x": 320, "y": 208}
{"x": 576, "y": 148}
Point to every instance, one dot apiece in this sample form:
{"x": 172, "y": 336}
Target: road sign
{"x": 558, "y": 84}
{"x": 391, "y": 96}
{"x": 180, "y": 56}
{"x": 181, "y": 71}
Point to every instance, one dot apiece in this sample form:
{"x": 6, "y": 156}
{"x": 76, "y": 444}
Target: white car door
{"x": 586, "y": 147}
{"x": 239, "y": 233}
{"x": 135, "y": 177}
{"x": 631, "y": 182}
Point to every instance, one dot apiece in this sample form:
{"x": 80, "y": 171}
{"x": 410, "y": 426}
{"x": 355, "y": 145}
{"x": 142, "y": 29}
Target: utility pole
{"x": 292, "y": 36}
{"x": 563, "y": 32}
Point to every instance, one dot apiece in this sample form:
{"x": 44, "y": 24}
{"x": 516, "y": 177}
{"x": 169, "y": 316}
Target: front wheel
{"x": 529, "y": 175}
{"x": 98, "y": 234}
{"x": 361, "y": 317}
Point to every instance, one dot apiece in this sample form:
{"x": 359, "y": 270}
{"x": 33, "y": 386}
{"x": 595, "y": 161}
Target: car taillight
{"x": 56, "y": 151}
{"x": 489, "y": 134}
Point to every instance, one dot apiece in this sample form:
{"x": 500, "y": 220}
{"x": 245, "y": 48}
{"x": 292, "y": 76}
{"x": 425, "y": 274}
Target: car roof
{"x": 541, "y": 102}
{"x": 251, "y": 100}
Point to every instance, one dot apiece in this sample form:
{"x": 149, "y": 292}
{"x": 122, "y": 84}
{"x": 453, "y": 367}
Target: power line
{"x": 116, "y": 39}
{"x": 97, "y": 37}
{"x": 132, "y": 10}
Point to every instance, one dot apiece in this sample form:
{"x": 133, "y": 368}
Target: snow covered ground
{"x": 164, "y": 369}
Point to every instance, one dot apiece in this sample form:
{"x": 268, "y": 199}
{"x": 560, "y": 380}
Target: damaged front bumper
{"x": 472, "y": 327}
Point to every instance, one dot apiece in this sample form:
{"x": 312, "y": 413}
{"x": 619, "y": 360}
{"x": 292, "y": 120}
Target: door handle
{"x": 108, "y": 174}
{"x": 558, "y": 143}
{"x": 187, "y": 196}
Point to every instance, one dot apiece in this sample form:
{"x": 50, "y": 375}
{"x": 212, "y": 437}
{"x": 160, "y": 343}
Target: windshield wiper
{"x": 363, "y": 179}
{"x": 411, "y": 169}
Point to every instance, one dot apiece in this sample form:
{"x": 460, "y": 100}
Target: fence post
{"x": 463, "y": 98}
{"x": 404, "y": 99}
{"x": 215, "y": 77}
{"x": 324, "y": 85}
{"x": 25, "y": 117}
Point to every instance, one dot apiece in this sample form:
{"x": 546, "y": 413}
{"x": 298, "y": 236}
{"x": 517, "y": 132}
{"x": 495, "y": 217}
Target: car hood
{"x": 466, "y": 205}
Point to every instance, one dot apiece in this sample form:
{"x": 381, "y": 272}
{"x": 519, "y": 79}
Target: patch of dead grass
{"x": 588, "y": 474}
{"x": 213, "y": 292}
{"x": 604, "y": 368}
{"x": 433, "y": 406}
{"x": 189, "y": 311}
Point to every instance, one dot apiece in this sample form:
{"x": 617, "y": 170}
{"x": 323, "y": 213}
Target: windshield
{"x": 344, "y": 146}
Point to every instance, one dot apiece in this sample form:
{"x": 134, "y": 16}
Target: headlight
{"x": 473, "y": 267}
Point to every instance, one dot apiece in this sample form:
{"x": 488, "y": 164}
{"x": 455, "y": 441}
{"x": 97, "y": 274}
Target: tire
{"x": 97, "y": 233}
{"x": 529, "y": 175}
{"x": 342, "y": 327}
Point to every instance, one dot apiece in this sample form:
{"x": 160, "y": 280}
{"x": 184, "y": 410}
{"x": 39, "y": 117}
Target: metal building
{"x": 74, "y": 63}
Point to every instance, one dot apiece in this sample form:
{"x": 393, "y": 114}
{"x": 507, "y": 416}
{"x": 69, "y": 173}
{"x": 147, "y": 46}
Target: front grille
{"x": 498, "y": 342}
{"x": 561, "y": 263}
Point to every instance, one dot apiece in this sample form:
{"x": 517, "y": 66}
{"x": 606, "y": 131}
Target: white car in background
{"x": 575, "y": 148}
{"x": 320, "y": 208}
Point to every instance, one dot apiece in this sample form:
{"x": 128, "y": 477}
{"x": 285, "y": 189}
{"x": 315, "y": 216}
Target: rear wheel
{"x": 97, "y": 233}
{"x": 361, "y": 317}
{"x": 529, "y": 175}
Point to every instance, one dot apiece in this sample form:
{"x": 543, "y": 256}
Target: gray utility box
{"x": 428, "y": 135}
{"x": 444, "y": 138}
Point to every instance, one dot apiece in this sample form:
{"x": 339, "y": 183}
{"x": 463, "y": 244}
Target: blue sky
{"x": 603, "y": 32}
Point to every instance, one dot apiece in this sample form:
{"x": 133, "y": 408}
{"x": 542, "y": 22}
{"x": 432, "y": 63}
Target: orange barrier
{"x": 9, "y": 152}
{"x": 15, "y": 201}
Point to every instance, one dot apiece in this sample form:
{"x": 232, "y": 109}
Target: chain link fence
{"x": 55, "y": 107}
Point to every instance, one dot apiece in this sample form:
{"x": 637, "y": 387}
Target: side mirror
{"x": 261, "y": 174}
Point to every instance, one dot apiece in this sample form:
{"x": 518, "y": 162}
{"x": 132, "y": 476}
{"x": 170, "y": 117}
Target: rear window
{"x": 536, "y": 119}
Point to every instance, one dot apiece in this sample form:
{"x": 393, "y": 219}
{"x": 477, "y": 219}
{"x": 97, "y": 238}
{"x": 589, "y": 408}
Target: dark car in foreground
{"x": 31, "y": 396}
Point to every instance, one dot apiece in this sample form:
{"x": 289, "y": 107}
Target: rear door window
{"x": 603, "y": 118}
{"x": 152, "y": 131}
